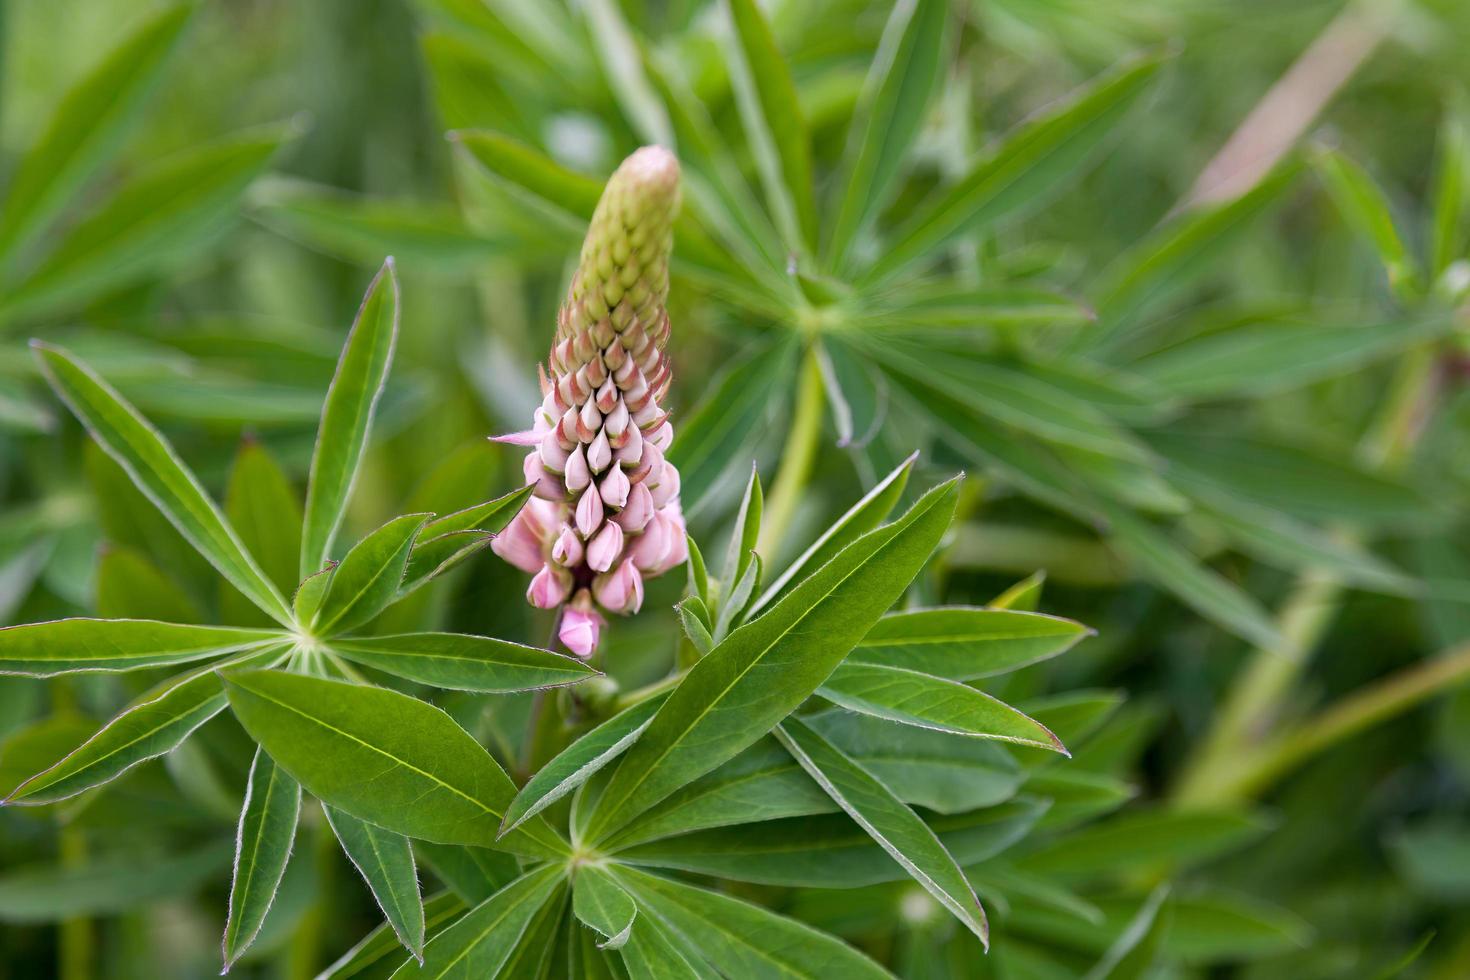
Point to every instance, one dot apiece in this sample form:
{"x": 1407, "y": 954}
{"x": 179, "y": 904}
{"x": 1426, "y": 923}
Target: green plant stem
{"x": 1255, "y": 704}
{"x": 796, "y": 459}
{"x": 1356, "y": 712}
{"x": 75, "y": 942}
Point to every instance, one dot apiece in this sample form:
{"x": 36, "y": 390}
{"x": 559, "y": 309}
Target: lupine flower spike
{"x": 605, "y": 512}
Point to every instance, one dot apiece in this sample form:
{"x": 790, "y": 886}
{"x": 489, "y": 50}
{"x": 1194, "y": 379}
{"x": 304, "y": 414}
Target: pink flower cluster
{"x": 605, "y": 511}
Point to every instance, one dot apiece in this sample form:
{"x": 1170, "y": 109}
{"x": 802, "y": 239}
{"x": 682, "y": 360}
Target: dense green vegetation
{"x": 1173, "y": 682}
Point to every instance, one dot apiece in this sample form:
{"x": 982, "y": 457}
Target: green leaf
{"x": 66, "y": 645}
{"x": 601, "y": 904}
{"x": 580, "y": 761}
{"x": 1287, "y": 479}
{"x": 433, "y": 557}
{"x": 1165, "y": 563}
{"x": 1024, "y": 596}
{"x": 153, "y": 465}
{"x": 347, "y": 417}
{"x": 719, "y": 433}
{"x": 658, "y": 953}
{"x": 308, "y": 598}
{"x": 1171, "y": 258}
{"x": 1134, "y": 953}
{"x": 473, "y": 873}
{"x": 263, "y": 507}
{"x": 491, "y": 516}
{"x": 896, "y": 828}
{"x": 856, "y": 393}
{"x": 747, "y": 530}
{"x": 161, "y": 216}
{"x": 912, "y": 698}
{"x": 1447, "y": 235}
{"x": 773, "y": 121}
{"x": 566, "y": 196}
{"x": 901, "y": 81}
{"x": 481, "y": 942}
{"x": 426, "y": 235}
{"x": 1025, "y": 169}
{"x": 829, "y": 851}
{"x": 745, "y": 939}
{"x": 383, "y": 757}
{"x": 859, "y": 519}
{"x": 1365, "y": 209}
{"x": 385, "y": 862}
{"x": 262, "y": 848}
{"x": 622, "y": 66}
{"x": 1139, "y": 838}
{"x": 732, "y": 606}
{"x": 1262, "y": 359}
{"x": 765, "y": 669}
{"x": 465, "y": 663}
{"x": 946, "y": 306}
{"x": 964, "y": 643}
{"x": 926, "y": 768}
{"x": 698, "y": 574}
{"x": 85, "y": 129}
{"x": 131, "y": 586}
{"x": 379, "y": 952}
{"x": 695, "y": 620}
{"x": 367, "y": 580}
{"x": 154, "y": 724}
{"x": 47, "y": 893}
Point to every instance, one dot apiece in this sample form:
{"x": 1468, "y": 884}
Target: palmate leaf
{"x": 265, "y": 511}
{"x": 67, "y": 645}
{"x": 386, "y": 758}
{"x": 347, "y": 416}
{"x": 891, "y": 824}
{"x": 912, "y": 698}
{"x": 744, "y": 939}
{"x": 658, "y": 953}
{"x": 964, "y": 643}
{"x": 472, "y": 873}
{"x": 87, "y": 126}
{"x": 154, "y": 724}
{"x": 464, "y": 662}
{"x": 763, "y": 670}
{"x": 262, "y": 848}
{"x": 481, "y": 942}
{"x": 385, "y": 861}
{"x": 154, "y": 466}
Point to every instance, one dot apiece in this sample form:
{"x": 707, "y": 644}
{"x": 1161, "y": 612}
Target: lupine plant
{"x": 707, "y": 662}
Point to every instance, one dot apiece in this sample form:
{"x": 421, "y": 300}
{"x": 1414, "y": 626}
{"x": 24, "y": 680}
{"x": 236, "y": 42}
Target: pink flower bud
{"x": 637, "y": 511}
{"x": 605, "y": 548}
{"x": 599, "y": 454}
{"x": 519, "y": 544}
{"x": 651, "y": 549}
{"x": 568, "y": 548}
{"x": 662, "y": 436}
{"x": 667, "y": 488}
{"x": 616, "y": 422}
{"x": 589, "y": 514}
{"x": 549, "y": 588}
{"x": 578, "y": 476}
{"x": 553, "y": 457}
{"x": 580, "y": 626}
{"x": 620, "y": 591}
{"x": 631, "y": 450}
{"x": 614, "y": 488}
{"x": 548, "y": 487}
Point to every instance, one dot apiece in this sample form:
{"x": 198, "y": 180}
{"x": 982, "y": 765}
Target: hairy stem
{"x": 796, "y": 458}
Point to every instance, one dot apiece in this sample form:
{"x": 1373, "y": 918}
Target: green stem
{"x": 1349, "y": 716}
{"x": 75, "y": 942}
{"x": 1255, "y": 703}
{"x": 796, "y": 459}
